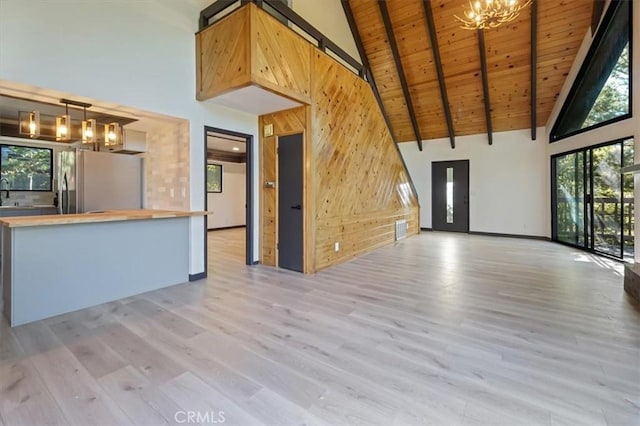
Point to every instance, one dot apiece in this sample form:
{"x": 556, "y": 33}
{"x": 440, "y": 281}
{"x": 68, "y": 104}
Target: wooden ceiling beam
{"x": 388, "y": 26}
{"x": 534, "y": 67}
{"x": 433, "y": 37}
{"x": 485, "y": 85}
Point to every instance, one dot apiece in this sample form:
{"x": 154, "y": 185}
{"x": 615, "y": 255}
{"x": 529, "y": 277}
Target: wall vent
{"x": 401, "y": 229}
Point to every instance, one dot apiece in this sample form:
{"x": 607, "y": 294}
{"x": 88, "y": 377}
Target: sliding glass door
{"x": 593, "y": 201}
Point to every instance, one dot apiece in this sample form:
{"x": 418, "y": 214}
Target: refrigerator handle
{"x": 64, "y": 195}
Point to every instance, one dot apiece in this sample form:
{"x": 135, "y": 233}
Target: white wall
{"x": 138, "y": 54}
{"x": 228, "y": 207}
{"x": 329, "y": 18}
{"x": 507, "y": 180}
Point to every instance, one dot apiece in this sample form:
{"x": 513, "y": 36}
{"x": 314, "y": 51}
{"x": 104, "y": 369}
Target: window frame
{"x": 2, "y": 145}
{"x": 221, "y": 170}
{"x": 602, "y": 30}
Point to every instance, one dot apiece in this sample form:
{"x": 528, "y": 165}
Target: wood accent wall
{"x": 361, "y": 187}
{"x": 355, "y": 184}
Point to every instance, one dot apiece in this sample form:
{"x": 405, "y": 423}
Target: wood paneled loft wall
{"x": 249, "y": 47}
{"x": 356, "y": 186}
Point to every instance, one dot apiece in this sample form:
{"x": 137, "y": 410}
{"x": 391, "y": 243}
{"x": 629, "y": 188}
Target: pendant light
{"x": 34, "y": 124}
{"x": 111, "y": 134}
{"x": 89, "y": 129}
{"x": 63, "y": 125}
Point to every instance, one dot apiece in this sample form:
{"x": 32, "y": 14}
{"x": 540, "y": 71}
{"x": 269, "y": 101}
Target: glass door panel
{"x": 607, "y": 199}
{"x": 569, "y": 195}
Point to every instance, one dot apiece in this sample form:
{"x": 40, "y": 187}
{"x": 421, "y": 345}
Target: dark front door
{"x": 450, "y": 193}
{"x": 290, "y": 222}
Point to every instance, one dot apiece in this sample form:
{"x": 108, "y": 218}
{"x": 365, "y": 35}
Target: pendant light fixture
{"x": 34, "y": 124}
{"x": 63, "y": 124}
{"x": 89, "y": 129}
{"x": 111, "y": 134}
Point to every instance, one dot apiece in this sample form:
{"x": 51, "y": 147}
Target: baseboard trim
{"x": 224, "y": 228}
{"x": 196, "y": 277}
{"x": 497, "y": 234}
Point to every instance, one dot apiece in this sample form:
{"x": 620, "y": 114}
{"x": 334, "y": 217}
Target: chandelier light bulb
{"x": 491, "y": 13}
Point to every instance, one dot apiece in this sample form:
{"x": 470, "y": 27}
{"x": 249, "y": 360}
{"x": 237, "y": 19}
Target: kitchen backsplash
{"x": 166, "y": 165}
{"x": 24, "y": 198}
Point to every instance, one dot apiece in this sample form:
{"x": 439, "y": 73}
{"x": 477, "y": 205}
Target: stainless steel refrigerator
{"x": 91, "y": 181}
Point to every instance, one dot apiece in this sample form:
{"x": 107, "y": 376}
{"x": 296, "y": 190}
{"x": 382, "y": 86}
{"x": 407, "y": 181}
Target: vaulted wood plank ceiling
{"x": 561, "y": 26}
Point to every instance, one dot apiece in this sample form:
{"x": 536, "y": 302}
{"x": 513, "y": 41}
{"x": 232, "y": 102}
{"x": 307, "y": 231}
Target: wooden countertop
{"x": 106, "y": 216}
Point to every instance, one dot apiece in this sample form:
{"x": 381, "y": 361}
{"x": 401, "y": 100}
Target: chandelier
{"x": 484, "y": 14}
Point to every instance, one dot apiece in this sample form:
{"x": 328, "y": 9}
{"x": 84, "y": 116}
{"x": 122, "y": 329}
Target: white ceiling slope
{"x": 255, "y": 100}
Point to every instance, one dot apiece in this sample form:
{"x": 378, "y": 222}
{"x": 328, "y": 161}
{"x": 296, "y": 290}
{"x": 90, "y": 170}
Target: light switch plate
{"x": 268, "y": 130}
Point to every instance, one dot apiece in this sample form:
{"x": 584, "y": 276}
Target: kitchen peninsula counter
{"x": 61, "y": 263}
{"x": 95, "y": 217}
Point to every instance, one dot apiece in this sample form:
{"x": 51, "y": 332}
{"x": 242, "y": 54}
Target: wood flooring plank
{"x": 98, "y": 358}
{"x": 277, "y": 377}
{"x": 24, "y": 398}
{"x": 193, "y": 395}
{"x": 143, "y": 403}
{"x": 137, "y": 352}
{"x": 75, "y": 391}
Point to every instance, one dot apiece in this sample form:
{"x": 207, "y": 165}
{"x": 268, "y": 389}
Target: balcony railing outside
{"x": 613, "y": 224}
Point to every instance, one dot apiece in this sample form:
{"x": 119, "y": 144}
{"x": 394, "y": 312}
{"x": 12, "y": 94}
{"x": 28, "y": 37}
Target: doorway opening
{"x": 229, "y": 185}
{"x": 592, "y": 201}
{"x": 450, "y": 196}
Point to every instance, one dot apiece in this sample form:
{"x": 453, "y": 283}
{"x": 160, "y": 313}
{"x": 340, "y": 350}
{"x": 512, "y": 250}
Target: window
{"x": 601, "y": 93}
{"x": 26, "y": 168}
{"x": 214, "y": 177}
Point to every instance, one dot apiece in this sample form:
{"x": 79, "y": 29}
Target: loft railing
{"x": 279, "y": 10}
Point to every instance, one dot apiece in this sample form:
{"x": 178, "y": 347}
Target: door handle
{"x": 297, "y": 207}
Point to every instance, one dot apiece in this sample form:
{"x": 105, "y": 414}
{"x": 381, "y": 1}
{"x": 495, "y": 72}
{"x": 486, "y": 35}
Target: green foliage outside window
{"x": 26, "y": 168}
{"x": 613, "y": 100}
{"x": 214, "y": 178}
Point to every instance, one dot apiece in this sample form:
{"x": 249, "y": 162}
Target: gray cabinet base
{"x": 51, "y": 270}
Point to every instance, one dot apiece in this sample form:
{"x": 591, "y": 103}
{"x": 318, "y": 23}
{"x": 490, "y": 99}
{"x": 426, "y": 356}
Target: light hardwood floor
{"x": 439, "y": 329}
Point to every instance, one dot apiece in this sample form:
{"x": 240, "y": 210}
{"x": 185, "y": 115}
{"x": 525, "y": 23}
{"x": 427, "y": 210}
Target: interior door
{"x": 450, "y": 196}
{"x": 290, "y": 206}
